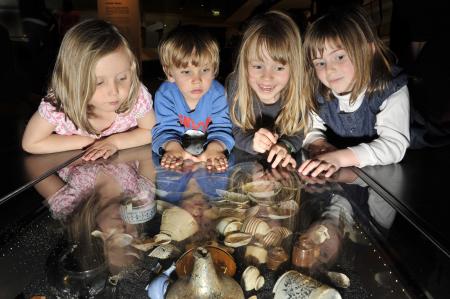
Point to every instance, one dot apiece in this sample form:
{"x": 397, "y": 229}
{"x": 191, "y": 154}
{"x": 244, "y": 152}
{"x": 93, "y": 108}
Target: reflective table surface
{"x": 126, "y": 228}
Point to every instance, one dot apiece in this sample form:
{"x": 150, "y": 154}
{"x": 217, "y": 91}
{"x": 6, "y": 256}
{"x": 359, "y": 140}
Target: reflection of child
{"x": 268, "y": 109}
{"x": 362, "y": 103}
{"x": 97, "y": 180}
{"x": 191, "y": 102}
{"x": 95, "y": 93}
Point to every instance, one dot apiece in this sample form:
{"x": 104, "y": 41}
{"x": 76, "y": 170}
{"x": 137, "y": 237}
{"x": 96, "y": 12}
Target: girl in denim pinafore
{"x": 362, "y": 115}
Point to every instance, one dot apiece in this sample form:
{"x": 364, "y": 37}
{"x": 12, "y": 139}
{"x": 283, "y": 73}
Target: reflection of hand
{"x": 343, "y": 175}
{"x": 100, "y": 149}
{"x": 214, "y": 157}
{"x": 320, "y": 146}
{"x": 175, "y": 155}
{"x": 280, "y": 153}
{"x": 264, "y": 140}
{"x": 278, "y": 174}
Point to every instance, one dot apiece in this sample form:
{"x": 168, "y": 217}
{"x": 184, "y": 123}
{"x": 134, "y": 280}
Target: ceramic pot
{"x": 293, "y": 284}
{"x": 205, "y": 282}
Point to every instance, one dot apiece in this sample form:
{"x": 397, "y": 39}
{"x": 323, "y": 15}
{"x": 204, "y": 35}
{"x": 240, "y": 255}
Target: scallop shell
{"x": 165, "y": 251}
{"x": 237, "y": 239}
{"x": 283, "y": 231}
{"x": 272, "y": 239}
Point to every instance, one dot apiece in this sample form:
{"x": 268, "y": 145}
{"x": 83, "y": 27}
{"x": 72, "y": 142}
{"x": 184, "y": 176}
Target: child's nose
{"x": 267, "y": 74}
{"x": 113, "y": 89}
{"x": 196, "y": 78}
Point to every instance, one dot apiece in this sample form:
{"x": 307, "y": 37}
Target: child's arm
{"x": 136, "y": 137}
{"x": 392, "y": 126}
{"x": 167, "y": 127}
{"x": 220, "y": 128}
{"x": 39, "y": 138}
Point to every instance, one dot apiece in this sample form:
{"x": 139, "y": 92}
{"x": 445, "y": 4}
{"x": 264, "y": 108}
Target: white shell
{"x": 339, "y": 279}
{"x": 165, "y": 251}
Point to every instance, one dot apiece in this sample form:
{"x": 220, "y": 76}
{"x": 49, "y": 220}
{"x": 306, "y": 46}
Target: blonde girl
{"x": 268, "y": 109}
{"x": 94, "y": 99}
{"x": 363, "y": 101}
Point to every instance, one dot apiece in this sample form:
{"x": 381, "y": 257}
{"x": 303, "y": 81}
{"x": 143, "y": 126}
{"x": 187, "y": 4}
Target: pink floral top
{"x": 80, "y": 183}
{"x": 124, "y": 121}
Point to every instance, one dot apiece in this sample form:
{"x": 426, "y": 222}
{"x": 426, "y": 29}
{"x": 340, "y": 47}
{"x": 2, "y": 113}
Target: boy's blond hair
{"x": 350, "y": 30}
{"x": 73, "y": 81}
{"x": 188, "y": 44}
{"x": 277, "y": 33}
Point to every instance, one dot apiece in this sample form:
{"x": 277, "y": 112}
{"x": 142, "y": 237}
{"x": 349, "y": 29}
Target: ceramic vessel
{"x": 296, "y": 285}
{"x": 205, "y": 282}
{"x": 158, "y": 287}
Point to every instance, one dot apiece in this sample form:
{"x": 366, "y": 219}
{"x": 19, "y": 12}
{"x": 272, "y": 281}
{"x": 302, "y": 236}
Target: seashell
{"x": 283, "y": 231}
{"x": 262, "y": 188}
{"x": 252, "y": 211}
{"x": 234, "y": 212}
{"x": 233, "y": 196}
{"x": 255, "y": 227}
{"x": 284, "y": 210}
{"x": 339, "y": 279}
{"x": 271, "y": 239}
{"x": 162, "y": 205}
{"x": 250, "y": 277}
{"x": 259, "y": 282}
{"x": 237, "y": 239}
{"x": 222, "y": 225}
{"x": 161, "y": 239}
{"x": 178, "y": 223}
{"x": 165, "y": 251}
{"x": 256, "y": 253}
{"x": 320, "y": 235}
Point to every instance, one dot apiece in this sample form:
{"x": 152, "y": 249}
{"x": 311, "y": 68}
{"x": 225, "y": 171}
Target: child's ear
{"x": 168, "y": 74}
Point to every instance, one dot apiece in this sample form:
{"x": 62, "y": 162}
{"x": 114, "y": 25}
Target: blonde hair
{"x": 350, "y": 30}
{"x": 279, "y": 35}
{"x": 188, "y": 44}
{"x": 73, "y": 81}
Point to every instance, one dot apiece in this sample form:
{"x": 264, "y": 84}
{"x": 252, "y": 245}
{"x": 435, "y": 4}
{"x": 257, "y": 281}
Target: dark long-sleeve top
{"x": 266, "y": 116}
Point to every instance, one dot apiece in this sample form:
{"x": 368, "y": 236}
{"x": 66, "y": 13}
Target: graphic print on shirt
{"x": 189, "y": 123}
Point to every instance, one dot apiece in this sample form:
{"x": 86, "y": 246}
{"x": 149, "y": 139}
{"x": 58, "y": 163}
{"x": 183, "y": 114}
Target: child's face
{"x": 193, "y": 81}
{"x": 267, "y": 77}
{"x": 335, "y": 69}
{"x": 113, "y": 81}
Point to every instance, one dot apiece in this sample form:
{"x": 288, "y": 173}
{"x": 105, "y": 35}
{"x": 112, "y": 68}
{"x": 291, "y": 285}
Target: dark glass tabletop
{"x": 125, "y": 228}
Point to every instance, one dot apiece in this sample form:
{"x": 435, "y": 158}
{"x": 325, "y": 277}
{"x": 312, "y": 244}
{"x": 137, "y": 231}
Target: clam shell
{"x": 283, "y": 231}
{"x": 272, "y": 239}
{"x": 237, "y": 239}
{"x": 320, "y": 235}
{"x": 165, "y": 251}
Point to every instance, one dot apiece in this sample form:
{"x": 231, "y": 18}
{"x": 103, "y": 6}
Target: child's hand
{"x": 264, "y": 140}
{"x": 320, "y": 146}
{"x": 100, "y": 149}
{"x": 214, "y": 157}
{"x": 328, "y": 163}
{"x": 280, "y": 153}
{"x": 175, "y": 155}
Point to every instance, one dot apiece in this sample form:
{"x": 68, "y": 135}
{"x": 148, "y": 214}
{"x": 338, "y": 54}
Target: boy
{"x": 191, "y": 106}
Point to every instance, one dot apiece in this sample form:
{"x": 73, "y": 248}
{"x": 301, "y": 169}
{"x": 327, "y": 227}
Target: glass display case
{"x": 127, "y": 228}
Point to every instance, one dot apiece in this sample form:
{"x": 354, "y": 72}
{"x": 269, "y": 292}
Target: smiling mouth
{"x": 267, "y": 89}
